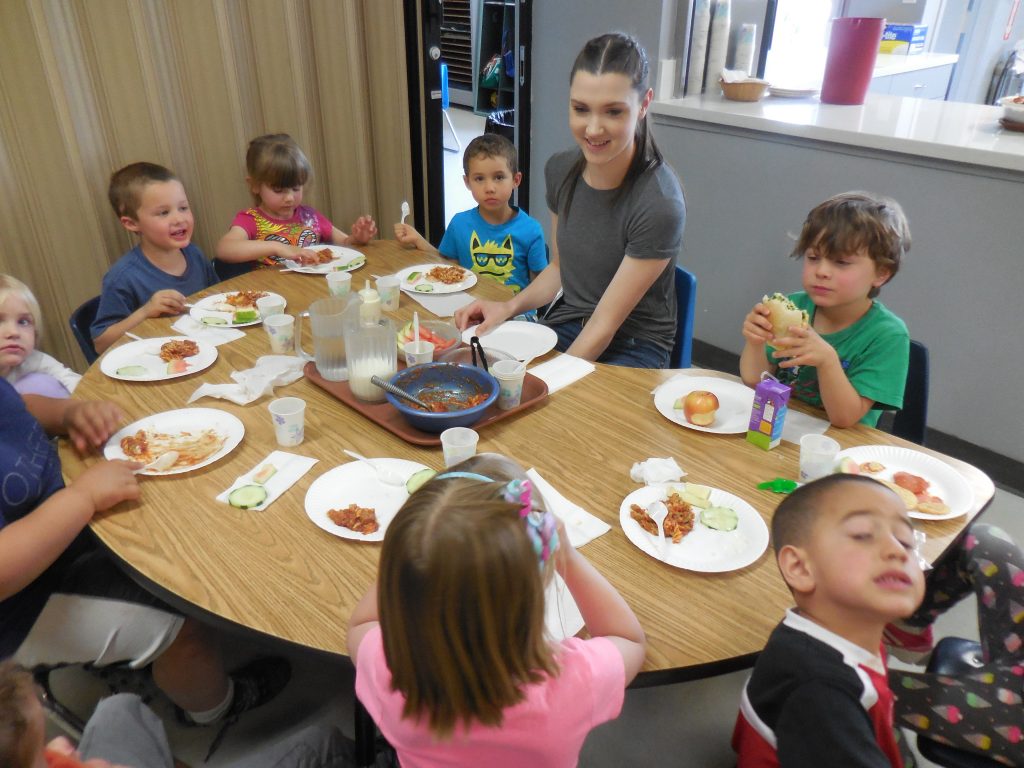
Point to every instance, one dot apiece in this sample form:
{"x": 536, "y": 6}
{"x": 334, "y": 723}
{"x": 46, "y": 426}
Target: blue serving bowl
{"x": 452, "y": 379}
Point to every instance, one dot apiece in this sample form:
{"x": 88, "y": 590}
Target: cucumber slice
{"x": 720, "y": 518}
{"x": 248, "y": 496}
{"x": 424, "y": 288}
{"x": 132, "y": 370}
{"x": 246, "y": 315}
{"x": 211, "y": 320}
{"x": 416, "y": 482}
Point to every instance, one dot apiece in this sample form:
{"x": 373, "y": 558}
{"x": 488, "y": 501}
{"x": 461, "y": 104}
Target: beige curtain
{"x": 87, "y": 86}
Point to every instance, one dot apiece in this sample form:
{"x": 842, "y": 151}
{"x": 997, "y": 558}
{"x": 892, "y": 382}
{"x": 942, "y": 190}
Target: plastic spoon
{"x": 416, "y": 328}
{"x": 161, "y": 463}
{"x": 385, "y": 475}
{"x": 657, "y": 511}
{"x": 405, "y": 210}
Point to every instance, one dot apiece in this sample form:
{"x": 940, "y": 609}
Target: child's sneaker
{"x": 907, "y": 643}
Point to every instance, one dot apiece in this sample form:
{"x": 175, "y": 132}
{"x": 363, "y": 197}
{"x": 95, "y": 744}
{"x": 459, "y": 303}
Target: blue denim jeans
{"x": 627, "y": 351}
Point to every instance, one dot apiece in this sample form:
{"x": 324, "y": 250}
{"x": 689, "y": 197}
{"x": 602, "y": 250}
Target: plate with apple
{"x": 706, "y": 403}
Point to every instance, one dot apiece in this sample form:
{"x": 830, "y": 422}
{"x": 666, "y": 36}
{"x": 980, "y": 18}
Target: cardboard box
{"x": 769, "y": 413}
{"x": 903, "y": 38}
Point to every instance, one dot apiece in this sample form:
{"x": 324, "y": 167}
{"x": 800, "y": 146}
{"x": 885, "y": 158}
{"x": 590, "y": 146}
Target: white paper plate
{"x": 703, "y": 549}
{"x": 944, "y": 481}
{"x": 469, "y": 279}
{"x": 793, "y": 93}
{"x": 205, "y": 307}
{"x": 146, "y": 353}
{"x": 519, "y": 338}
{"x": 345, "y": 260}
{"x": 734, "y": 403}
{"x": 357, "y": 483}
{"x": 176, "y": 422}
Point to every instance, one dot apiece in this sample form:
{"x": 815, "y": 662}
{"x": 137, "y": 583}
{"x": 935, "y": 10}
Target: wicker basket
{"x": 746, "y": 90}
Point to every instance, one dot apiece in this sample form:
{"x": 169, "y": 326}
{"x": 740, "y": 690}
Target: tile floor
{"x": 686, "y": 725}
{"x": 468, "y": 125}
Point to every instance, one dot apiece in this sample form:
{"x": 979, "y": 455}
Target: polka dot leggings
{"x": 982, "y": 711}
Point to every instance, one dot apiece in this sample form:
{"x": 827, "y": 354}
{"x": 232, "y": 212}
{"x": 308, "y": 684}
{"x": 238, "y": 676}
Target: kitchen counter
{"x": 943, "y": 130}
{"x": 897, "y": 64}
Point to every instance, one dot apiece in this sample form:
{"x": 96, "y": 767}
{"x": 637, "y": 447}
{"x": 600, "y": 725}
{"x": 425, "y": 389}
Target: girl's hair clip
{"x": 541, "y": 526}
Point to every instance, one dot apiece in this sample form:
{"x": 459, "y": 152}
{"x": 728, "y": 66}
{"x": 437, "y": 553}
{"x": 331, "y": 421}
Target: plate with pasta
{"x": 436, "y": 278}
{"x": 700, "y": 547}
{"x": 198, "y": 437}
{"x": 158, "y": 359}
{"x": 350, "y": 501}
{"x": 330, "y": 258}
{"x": 235, "y": 309}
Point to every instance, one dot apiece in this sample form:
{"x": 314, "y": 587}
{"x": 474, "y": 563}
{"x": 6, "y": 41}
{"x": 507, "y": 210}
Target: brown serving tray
{"x": 387, "y": 416}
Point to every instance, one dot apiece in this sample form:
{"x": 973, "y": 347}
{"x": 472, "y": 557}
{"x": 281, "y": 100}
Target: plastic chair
{"x": 80, "y": 321}
{"x": 953, "y": 656}
{"x": 444, "y": 110}
{"x": 910, "y": 421}
{"x": 686, "y": 308}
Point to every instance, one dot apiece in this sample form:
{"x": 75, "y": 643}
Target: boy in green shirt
{"x": 852, "y": 357}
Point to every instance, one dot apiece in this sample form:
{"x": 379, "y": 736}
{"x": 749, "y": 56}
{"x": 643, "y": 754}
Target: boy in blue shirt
{"x": 495, "y": 238}
{"x": 155, "y": 276}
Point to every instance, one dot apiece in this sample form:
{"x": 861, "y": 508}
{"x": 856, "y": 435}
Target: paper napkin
{"x": 581, "y": 526}
{"x": 656, "y": 471}
{"x": 189, "y": 326}
{"x": 562, "y": 617}
{"x": 798, "y": 424}
{"x": 562, "y": 371}
{"x": 270, "y": 371}
{"x": 290, "y": 467}
{"x": 442, "y": 305}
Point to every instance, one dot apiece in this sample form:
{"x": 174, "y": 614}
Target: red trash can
{"x": 852, "y": 48}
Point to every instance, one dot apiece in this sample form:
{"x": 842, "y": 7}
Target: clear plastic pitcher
{"x": 328, "y": 318}
{"x": 372, "y": 351}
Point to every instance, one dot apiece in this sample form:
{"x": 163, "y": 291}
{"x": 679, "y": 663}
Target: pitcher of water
{"x": 372, "y": 351}
{"x": 328, "y": 317}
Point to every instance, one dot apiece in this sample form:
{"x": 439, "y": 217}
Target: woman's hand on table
{"x": 89, "y": 423}
{"x": 487, "y": 314}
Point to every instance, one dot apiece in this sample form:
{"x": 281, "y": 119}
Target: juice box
{"x": 769, "y": 412}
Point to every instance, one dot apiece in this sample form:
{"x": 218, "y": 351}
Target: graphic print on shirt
{"x": 298, "y": 233}
{"x": 492, "y": 259}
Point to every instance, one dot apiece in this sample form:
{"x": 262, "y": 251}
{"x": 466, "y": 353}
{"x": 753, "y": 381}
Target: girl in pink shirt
{"x": 451, "y": 657}
{"x": 279, "y": 226}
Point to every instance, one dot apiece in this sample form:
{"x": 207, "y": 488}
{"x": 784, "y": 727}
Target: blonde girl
{"x": 617, "y": 217}
{"x": 279, "y": 226}
{"x": 30, "y": 371}
{"x": 451, "y": 657}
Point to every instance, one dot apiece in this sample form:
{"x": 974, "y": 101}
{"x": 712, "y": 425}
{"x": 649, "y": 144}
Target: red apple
{"x": 699, "y": 407}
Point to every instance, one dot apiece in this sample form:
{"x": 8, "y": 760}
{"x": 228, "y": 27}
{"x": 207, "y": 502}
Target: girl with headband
{"x": 451, "y": 656}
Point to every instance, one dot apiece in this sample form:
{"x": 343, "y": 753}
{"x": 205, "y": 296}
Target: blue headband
{"x": 541, "y": 526}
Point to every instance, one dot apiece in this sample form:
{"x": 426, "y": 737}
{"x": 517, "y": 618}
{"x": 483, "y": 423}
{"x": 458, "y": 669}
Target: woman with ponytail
{"x": 617, "y": 217}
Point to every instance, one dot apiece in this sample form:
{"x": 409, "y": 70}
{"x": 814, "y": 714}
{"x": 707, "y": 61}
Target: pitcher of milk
{"x": 328, "y": 318}
{"x": 372, "y": 351}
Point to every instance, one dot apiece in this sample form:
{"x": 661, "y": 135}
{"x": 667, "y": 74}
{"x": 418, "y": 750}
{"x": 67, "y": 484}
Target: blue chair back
{"x": 910, "y": 422}
{"x": 686, "y": 308}
{"x": 80, "y": 321}
{"x": 444, "y": 86}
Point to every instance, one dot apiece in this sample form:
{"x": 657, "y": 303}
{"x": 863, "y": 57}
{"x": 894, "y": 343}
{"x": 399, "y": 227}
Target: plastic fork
{"x": 657, "y": 511}
{"x": 405, "y": 210}
{"x": 161, "y": 463}
{"x": 385, "y": 475}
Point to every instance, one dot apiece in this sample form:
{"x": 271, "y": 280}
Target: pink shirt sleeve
{"x": 323, "y": 225}
{"x": 245, "y": 220}
{"x": 594, "y": 668}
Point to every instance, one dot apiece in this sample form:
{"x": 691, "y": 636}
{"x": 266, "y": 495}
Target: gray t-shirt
{"x": 646, "y": 223}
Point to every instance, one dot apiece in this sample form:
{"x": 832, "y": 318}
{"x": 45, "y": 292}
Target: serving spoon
{"x": 387, "y": 386}
{"x": 385, "y": 475}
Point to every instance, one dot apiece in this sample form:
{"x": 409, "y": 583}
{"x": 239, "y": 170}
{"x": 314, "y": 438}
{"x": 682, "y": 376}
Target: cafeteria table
{"x": 276, "y": 573}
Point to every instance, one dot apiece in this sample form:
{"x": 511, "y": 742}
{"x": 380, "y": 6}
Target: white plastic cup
{"x": 268, "y": 306}
{"x": 458, "y": 444}
{"x": 289, "y": 417}
{"x": 817, "y": 457}
{"x": 388, "y": 288}
{"x": 339, "y": 283}
{"x": 510, "y": 375}
{"x": 418, "y": 352}
{"x": 281, "y": 331}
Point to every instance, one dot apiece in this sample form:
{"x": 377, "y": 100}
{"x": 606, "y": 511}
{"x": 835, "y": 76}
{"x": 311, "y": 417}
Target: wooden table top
{"x": 277, "y": 573}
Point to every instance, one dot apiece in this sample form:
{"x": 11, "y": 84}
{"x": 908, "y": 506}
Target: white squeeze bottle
{"x": 369, "y": 310}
